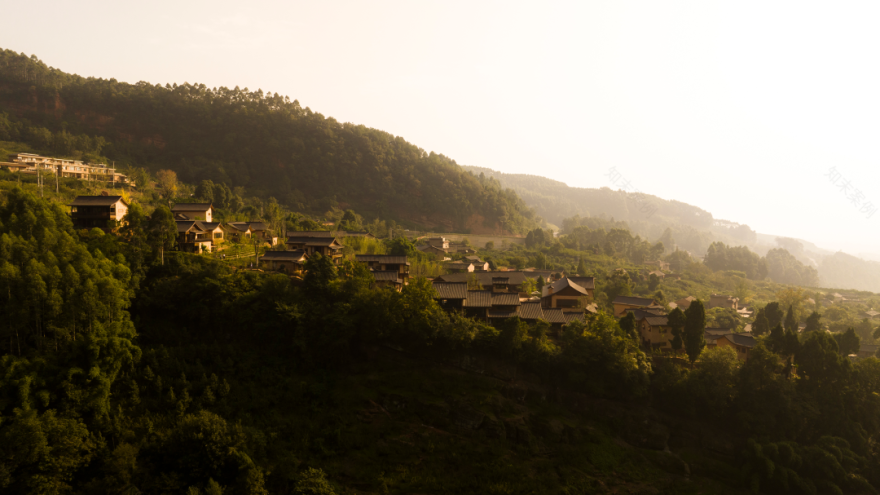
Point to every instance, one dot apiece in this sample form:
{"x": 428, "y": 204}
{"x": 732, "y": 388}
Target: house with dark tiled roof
{"x": 515, "y": 279}
{"x": 565, "y": 293}
{"x": 478, "y": 303}
{"x": 193, "y": 211}
{"x": 289, "y": 262}
{"x": 88, "y": 212}
{"x": 722, "y": 301}
{"x": 867, "y": 350}
{"x": 655, "y": 331}
{"x": 451, "y": 295}
{"x": 386, "y": 262}
{"x": 741, "y": 343}
{"x": 684, "y": 303}
{"x": 459, "y": 267}
{"x": 192, "y": 237}
{"x": 326, "y": 246}
{"x": 623, "y": 303}
{"x": 388, "y": 278}
{"x": 237, "y": 232}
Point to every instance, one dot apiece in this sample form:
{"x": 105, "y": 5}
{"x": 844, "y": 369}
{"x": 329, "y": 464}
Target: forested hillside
{"x": 239, "y": 137}
{"x": 692, "y": 228}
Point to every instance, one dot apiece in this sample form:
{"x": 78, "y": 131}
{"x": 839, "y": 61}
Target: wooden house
{"x": 327, "y": 246}
{"x": 741, "y": 343}
{"x": 623, "y": 303}
{"x": 654, "y": 331}
{"x": 478, "y": 303}
{"x": 193, "y": 211}
{"x": 386, "y": 262}
{"x": 88, "y": 212}
{"x": 451, "y": 295}
{"x": 565, "y": 293}
{"x": 259, "y": 231}
{"x": 192, "y": 237}
{"x": 722, "y": 301}
{"x": 289, "y": 262}
{"x": 459, "y": 267}
{"x": 237, "y": 232}
{"x": 388, "y": 278}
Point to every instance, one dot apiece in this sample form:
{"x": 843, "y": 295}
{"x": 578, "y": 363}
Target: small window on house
{"x": 218, "y": 235}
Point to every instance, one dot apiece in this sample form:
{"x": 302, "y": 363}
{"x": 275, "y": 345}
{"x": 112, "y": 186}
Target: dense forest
{"x": 126, "y": 371}
{"x": 238, "y": 137}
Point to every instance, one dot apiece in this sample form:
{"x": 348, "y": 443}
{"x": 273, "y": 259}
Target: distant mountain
{"x": 690, "y": 228}
{"x": 262, "y": 141}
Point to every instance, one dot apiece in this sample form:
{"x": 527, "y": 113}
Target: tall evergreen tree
{"x": 162, "y": 231}
{"x": 791, "y": 323}
{"x": 677, "y": 320}
{"x": 581, "y": 268}
{"x": 694, "y": 328}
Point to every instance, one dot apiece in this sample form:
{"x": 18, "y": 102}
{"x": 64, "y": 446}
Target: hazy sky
{"x": 741, "y": 108}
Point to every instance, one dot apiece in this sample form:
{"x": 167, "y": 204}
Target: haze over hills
{"x": 262, "y": 141}
{"x": 692, "y": 228}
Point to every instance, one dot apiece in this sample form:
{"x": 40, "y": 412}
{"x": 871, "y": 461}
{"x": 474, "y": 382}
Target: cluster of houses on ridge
{"x": 196, "y": 230}
{"x": 29, "y": 163}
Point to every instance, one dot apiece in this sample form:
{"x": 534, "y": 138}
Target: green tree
{"x": 814, "y": 323}
{"x": 653, "y": 282}
{"x": 490, "y": 245}
{"x": 628, "y": 325}
{"x": 791, "y": 324}
{"x": 761, "y": 325}
{"x": 677, "y": 321}
{"x": 162, "y": 231}
{"x": 581, "y": 268}
{"x": 848, "y": 342}
{"x": 313, "y": 482}
{"x": 694, "y": 330}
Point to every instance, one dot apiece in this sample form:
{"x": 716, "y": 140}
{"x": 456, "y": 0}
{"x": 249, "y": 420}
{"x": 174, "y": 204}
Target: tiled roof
{"x": 186, "y": 225}
{"x": 561, "y": 284}
{"x": 447, "y": 290}
{"x": 872, "y": 348}
{"x": 716, "y": 331}
{"x": 257, "y": 226}
{"x": 531, "y": 311}
{"x": 554, "y": 315}
{"x": 585, "y": 282}
{"x": 485, "y": 278}
{"x": 296, "y": 255}
{"x": 505, "y": 299}
{"x": 740, "y": 339}
{"x": 239, "y": 226}
{"x": 634, "y": 301}
{"x": 570, "y": 317}
{"x": 657, "y": 321}
{"x": 479, "y": 299}
{"x": 387, "y": 276}
{"x": 458, "y": 265}
{"x": 494, "y": 313}
{"x": 474, "y": 259}
{"x": 191, "y": 207}
{"x": 313, "y": 233}
{"x": 312, "y": 241}
{"x": 384, "y": 258}
{"x": 501, "y": 280}
{"x": 95, "y": 200}
{"x": 208, "y": 226}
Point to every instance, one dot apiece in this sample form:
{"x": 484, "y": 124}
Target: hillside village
{"x": 463, "y": 282}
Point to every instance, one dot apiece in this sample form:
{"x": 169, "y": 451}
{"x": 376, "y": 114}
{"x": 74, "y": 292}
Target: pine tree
{"x": 581, "y": 268}
{"x": 694, "y": 328}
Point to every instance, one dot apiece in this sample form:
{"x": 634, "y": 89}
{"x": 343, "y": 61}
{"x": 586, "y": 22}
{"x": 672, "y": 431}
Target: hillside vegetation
{"x": 262, "y": 141}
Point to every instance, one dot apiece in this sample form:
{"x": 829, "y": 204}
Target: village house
{"x": 88, "y": 212}
{"x": 565, "y": 293}
{"x": 288, "y": 262}
{"x": 237, "y": 232}
{"x": 623, "y": 303}
{"x": 477, "y": 304}
{"x": 654, "y": 331}
{"x": 741, "y": 343}
{"x": 479, "y": 265}
{"x": 504, "y": 305}
{"x": 193, "y": 211}
{"x": 867, "y": 350}
{"x": 258, "y": 230}
{"x": 722, "y": 301}
{"x": 386, "y": 263}
{"x": 451, "y": 295}
{"x": 515, "y": 279}
{"x": 459, "y": 267}
{"x": 388, "y": 278}
{"x": 326, "y": 246}
{"x": 683, "y": 303}
{"x": 192, "y": 237}
{"x": 660, "y": 265}
{"x": 658, "y": 274}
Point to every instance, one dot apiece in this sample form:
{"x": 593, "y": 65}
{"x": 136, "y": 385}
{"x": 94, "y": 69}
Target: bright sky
{"x": 740, "y": 108}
